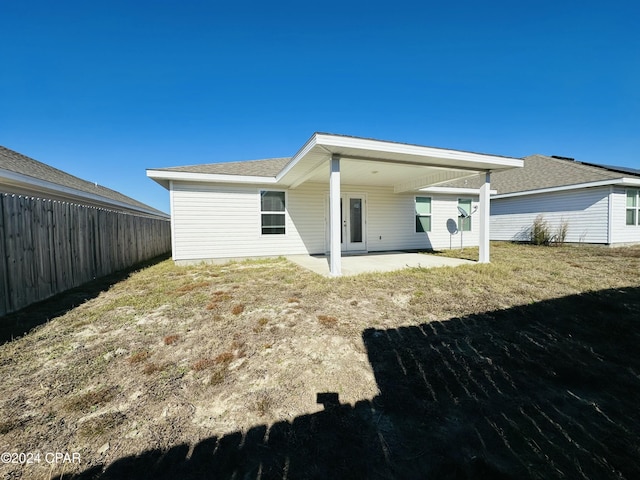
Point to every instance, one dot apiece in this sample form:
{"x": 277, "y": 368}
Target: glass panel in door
{"x": 354, "y": 224}
{"x": 355, "y": 217}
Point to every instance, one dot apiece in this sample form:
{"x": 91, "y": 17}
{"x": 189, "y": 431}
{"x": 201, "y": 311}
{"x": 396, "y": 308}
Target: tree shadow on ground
{"x": 16, "y": 324}
{"x": 547, "y": 390}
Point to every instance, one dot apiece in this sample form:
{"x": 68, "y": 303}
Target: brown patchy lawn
{"x": 528, "y": 367}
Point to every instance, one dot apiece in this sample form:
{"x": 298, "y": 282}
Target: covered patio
{"x": 375, "y": 262}
{"x": 338, "y": 196}
{"x": 405, "y": 167}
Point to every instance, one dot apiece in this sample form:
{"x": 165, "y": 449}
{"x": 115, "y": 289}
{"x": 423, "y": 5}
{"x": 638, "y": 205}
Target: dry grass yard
{"x": 528, "y": 367}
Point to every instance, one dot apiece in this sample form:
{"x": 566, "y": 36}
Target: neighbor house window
{"x": 272, "y": 207}
{"x": 464, "y": 223}
{"x": 633, "y": 206}
{"x": 423, "y": 214}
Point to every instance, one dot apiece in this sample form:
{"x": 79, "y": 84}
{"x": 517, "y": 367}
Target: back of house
{"x": 337, "y": 195}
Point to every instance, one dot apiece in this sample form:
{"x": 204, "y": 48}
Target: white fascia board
{"x": 631, "y": 181}
{"x": 601, "y": 183}
{"x": 306, "y": 148}
{"x": 416, "y": 150}
{"x": 455, "y": 191}
{"x": 72, "y": 194}
{"x": 329, "y": 143}
{"x": 160, "y": 175}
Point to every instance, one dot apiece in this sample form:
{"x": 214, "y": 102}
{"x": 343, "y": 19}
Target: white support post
{"x": 335, "y": 226}
{"x": 484, "y": 219}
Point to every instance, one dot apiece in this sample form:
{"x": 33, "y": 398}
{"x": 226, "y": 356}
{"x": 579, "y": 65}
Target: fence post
{"x": 4, "y": 267}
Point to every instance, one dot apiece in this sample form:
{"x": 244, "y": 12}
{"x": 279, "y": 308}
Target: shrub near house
{"x": 542, "y": 234}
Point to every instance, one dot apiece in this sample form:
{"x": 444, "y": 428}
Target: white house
{"x": 336, "y": 195}
{"x": 600, "y": 204}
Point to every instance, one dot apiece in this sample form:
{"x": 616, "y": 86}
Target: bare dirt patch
{"x": 185, "y": 356}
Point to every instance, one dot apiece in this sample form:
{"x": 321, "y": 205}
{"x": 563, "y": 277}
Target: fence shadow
{"x": 548, "y": 390}
{"x": 16, "y": 324}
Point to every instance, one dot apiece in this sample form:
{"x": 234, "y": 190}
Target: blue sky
{"x": 105, "y": 89}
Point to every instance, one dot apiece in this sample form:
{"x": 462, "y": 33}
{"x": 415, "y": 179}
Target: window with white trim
{"x": 464, "y": 223}
{"x": 272, "y": 212}
{"x": 633, "y": 206}
{"x": 423, "y": 214}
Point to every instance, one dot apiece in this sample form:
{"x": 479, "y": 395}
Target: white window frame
{"x": 268, "y": 212}
{"x": 416, "y": 214}
{"x": 636, "y": 209}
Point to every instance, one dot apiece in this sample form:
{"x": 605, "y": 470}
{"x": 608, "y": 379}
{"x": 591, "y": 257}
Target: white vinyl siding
{"x": 212, "y": 221}
{"x": 390, "y": 221}
{"x": 585, "y": 210}
{"x": 223, "y": 221}
{"x": 621, "y": 233}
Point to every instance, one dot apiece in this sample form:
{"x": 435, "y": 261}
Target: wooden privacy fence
{"x": 47, "y": 246}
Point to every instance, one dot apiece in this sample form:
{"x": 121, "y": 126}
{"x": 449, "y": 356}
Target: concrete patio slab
{"x": 375, "y": 262}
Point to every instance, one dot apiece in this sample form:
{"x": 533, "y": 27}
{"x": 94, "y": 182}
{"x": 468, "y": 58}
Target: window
{"x": 464, "y": 223}
{"x": 423, "y": 214}
{"x": 633, "y": 206}
{"x": 272, "y": 208}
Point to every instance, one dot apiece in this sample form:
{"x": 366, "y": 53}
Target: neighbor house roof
{"x": 20, "y": 174}
{"x": 541, "y": 173}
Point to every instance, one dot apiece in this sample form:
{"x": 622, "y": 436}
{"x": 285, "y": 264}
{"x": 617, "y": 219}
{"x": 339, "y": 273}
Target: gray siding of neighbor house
{"x": 217, "y": 221}
{"x": 622, "y": 233}
{"x": 586, "y": 210}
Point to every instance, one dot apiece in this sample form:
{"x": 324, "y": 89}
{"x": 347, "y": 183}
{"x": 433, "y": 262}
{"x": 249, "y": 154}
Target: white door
{"x": 352, "y": 221}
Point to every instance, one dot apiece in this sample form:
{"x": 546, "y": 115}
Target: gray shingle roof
{"x": 17, "y": 163}
{"x": 260, "y": 168}
{"x": 540, "y": 172}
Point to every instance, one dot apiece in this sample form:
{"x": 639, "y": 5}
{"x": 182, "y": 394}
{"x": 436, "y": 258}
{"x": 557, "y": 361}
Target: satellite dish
{"x": 463, "y": 213}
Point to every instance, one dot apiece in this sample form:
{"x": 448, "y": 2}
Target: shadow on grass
{"x": 16, "y": 324}
{"x": 548, "y": 390}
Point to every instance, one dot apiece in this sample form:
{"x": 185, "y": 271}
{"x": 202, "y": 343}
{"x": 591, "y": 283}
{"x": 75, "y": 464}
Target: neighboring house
{"x": 599, "y": 203}
{"x": 58, "y": 231}
{"x": 22, "y": 175}
{"x": 337, "y": 194}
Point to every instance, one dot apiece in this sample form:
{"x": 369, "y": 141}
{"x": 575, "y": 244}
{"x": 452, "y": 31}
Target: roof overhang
{"x": 164, "y": 177}
{"x": 404, "y": 167}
